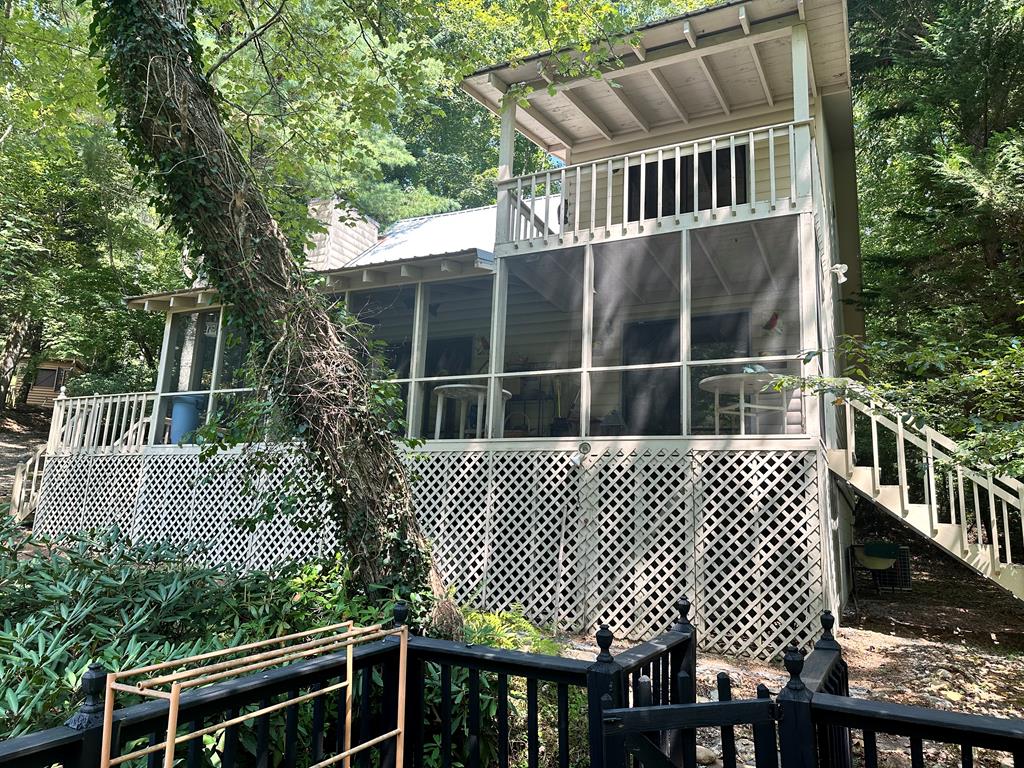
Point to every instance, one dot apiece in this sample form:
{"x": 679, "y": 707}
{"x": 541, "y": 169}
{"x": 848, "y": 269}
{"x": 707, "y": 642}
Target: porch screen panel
{"x": 544, "y": 316}
{"x": 189, "y": 375}
{"x": 745, "y": 328}
{"x": 635, "y": 325}
{"x": 457, "y": 347}
{"x": 388, "y": 313}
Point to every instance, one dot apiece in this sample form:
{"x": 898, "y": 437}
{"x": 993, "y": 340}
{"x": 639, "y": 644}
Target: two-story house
{"x": 598, "y": 363}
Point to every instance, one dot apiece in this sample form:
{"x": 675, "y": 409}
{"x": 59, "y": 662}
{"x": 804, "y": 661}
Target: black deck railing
{"x": 809, "y": 723}
{"x": 466, "y": 705}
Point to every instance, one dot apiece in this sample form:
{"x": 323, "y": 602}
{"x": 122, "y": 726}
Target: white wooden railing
{"x": 101, "y": 423}
{"x": 973, "y": 514}
{"x": 28, "y": 476}
{"x": 767, "y": 169}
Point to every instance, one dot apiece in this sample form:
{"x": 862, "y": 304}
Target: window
{"x": 721, "y": 174}
{"x": 47, "y": 378}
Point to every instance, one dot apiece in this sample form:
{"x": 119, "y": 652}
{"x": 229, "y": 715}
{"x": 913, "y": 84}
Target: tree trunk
{"x": 168, "y": 113}
{"x": 14, "y": 350}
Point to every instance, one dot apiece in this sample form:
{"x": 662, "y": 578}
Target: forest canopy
{"x": 323, "y": 104}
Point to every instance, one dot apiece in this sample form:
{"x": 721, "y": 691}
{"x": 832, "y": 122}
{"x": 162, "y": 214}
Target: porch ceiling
{"x": 701, "y": 67}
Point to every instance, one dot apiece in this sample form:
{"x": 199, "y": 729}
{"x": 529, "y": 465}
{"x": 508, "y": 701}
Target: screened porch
{"x": 681, "y": 334}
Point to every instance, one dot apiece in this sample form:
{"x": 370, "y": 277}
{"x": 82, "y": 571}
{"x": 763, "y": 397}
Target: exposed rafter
{"x": 619, "y": 93}
{"x": 764, "y": 31}
{"x": 549, "y": 125}
{"x": 800, "y": 10}
{"x": 640, "y": 51}
{"x": 589, "y": 114}
{"x": 663, "y": 85}
{"x": 715, "y": 85}
{"x": 496, "y": 108}
{"x": 689, "y": 34}
{"x": 760, "y": 74}
{"x": 744, "y": 20}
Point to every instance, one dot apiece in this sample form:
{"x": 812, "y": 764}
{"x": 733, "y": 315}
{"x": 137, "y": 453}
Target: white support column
{"x": 802, "y": 85}
{"x": 161, "y": 375}
{"x": 684, "y": 330}
{"x": 218, "y": 363}
{"x": 807, "y": 261}
{"x": 415, "y": 400}
{"x": 499, "y": 300}
{"x": 506, "y": 154}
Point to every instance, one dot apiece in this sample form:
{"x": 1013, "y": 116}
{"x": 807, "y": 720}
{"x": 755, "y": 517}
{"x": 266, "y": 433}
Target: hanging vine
{"x": 313, "y": 368}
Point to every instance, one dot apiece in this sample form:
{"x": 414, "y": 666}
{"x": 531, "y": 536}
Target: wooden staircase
{"x": 909, "y": 471}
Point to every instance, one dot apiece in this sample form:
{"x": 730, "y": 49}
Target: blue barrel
{"x": 185, "y": 416}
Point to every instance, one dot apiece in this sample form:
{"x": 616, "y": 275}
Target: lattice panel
{"x": 615, "y": 536}
{"x": 759, "y": 552}
{"x": 173, "y": 498}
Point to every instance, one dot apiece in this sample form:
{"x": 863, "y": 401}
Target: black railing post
{"x": 682, "y": 744}
{"x": 796, "y": 729}
{"x": 89, "y": 718}
{"x": 834, "y": 743}
{"x": 605, "y": 690}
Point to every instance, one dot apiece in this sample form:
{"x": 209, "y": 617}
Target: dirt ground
{"x": 22, "y": 430}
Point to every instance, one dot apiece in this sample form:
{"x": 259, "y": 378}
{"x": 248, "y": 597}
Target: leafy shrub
{"x": 96, "y": 597}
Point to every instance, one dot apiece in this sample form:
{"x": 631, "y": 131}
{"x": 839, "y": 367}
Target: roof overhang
{"x": 446, "y": 266}
{"x": 729, "y": 59}
{"x": 186, "y": 298}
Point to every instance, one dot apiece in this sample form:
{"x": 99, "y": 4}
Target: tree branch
{"x": 247, "y": 39}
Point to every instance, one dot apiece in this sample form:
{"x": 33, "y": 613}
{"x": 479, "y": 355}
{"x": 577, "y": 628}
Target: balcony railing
{"x": 124, "y": 423}
{"x": 750, "y": 172}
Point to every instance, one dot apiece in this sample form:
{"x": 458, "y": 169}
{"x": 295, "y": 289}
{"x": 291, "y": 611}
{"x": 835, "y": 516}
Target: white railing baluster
{"x": 933, "y": 506}
{"x": 518, "y": 210}
{"x": 563, "y": 202}
{"x": 678, "y": 183}
{"x": 696, "y": 183}
{"x": 576, "y": 206}
{"x": 963, "y": 509}
{"x": 714, "y": 181}
{"x": 609, "y": 184}
{"x": 876, "y": 469}
{"x": 996, "y": 561}
{"x": 547, "y": 206}
{"x": 771, "y": 168}
{"x": 977, "y": 514}
{"x": 593, "y": 199}
{"x": 1006, "y": 532}
{"x": 625, "y": 193}
{"x": 752, "y": 192}
{"x": 732, "y": 173}
{"x": 642, "y": 215}
{"x": 661, "y": 183}
{"x": 901, "y": 466}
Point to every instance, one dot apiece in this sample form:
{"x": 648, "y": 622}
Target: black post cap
{"x": 90, "y": 714}
{"x": 401, "y": 613}
{"x": 793, "y": 660}
{"x": 604, "y": 638}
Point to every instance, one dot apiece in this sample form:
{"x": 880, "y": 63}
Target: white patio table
{"x": 749, "y": 388}
{"x": 465, "y": 394}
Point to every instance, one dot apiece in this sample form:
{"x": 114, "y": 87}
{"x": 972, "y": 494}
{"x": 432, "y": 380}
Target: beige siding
{"x": 348, "y": 235}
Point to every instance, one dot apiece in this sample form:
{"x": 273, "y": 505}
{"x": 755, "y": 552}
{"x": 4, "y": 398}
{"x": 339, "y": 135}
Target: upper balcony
{"x": 706, "y": 118}
{"x": 736, "y": 176}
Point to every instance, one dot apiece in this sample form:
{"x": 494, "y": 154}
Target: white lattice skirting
{"x": 615, "y": 536}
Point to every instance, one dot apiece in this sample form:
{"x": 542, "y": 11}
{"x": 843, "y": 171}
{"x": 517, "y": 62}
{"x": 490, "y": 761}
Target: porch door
{"x": 650, "y": 399}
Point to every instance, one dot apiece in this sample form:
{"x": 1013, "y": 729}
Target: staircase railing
{"x": 984, "y": 508}
{"x": 28, "y": 477}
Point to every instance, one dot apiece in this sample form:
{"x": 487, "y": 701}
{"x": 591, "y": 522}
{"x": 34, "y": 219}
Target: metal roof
{"x": 442, "y": 234}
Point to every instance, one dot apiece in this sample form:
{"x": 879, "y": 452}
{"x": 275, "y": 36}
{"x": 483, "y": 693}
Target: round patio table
{"x": 464, "y": 394}
{"x": 748, "y": 388}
